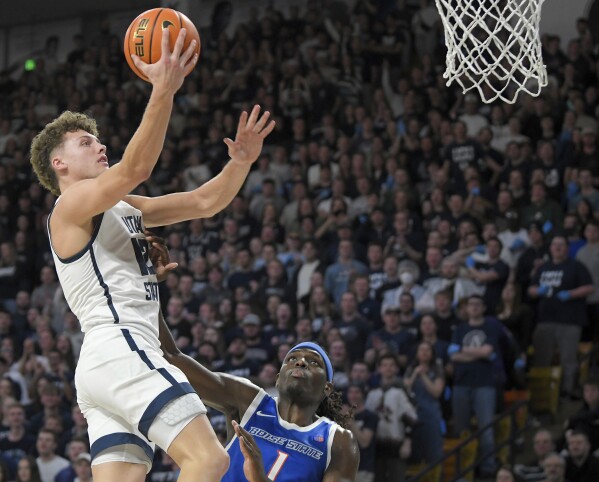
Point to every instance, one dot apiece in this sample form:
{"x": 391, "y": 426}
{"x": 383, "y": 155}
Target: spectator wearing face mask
{"x": 409, "y": 273}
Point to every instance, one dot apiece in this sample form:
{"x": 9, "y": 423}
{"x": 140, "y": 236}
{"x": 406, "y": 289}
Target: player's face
{"x": 303, "y": 374}
{"x": 82, "y": 154}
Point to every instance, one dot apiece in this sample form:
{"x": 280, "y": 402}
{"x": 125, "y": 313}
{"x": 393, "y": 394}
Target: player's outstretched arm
{"x": 84, "y": 199}
{"x": 223, "y": 392}
{"x": 213, "y": 196}
{"x": 345, "y": 458}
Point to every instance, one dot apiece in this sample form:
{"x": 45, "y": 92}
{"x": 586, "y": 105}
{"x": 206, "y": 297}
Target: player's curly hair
{"x": 332, "y": 408}
{"x": 51, "y": 137}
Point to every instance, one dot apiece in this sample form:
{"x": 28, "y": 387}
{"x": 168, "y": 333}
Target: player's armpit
{"x": 345, "y": 458}
{"x": 221, "y": 391}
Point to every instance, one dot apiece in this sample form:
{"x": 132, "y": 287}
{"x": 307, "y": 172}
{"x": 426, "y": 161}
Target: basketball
{"x": 144, "y": 35}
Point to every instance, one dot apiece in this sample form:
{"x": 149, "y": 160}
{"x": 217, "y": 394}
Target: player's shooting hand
{"x": 168, "y": 73}
{"x": 159, "y": 256}
{"x": 253, "y": 467}
{"x": 251, "y": 132}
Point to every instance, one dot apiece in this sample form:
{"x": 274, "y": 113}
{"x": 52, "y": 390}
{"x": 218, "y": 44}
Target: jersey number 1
{"x": 278, "y": 465}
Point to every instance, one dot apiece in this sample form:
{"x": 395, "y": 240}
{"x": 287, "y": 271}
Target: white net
{"x": 494, "y": 46}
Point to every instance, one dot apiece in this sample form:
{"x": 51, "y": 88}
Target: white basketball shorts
{"x": 124, "y": 387}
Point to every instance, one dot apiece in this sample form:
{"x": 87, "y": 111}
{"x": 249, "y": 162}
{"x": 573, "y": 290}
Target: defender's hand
{"x": 253, "y": 467}
{"x": 159, "y": 256}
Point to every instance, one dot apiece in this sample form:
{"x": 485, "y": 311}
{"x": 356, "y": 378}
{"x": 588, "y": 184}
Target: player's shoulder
{"x": 345, "y": 453}
{"x": 344, "y": 442}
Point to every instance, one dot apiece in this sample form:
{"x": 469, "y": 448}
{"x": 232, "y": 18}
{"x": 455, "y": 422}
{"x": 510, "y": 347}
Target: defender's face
{"x": 303, "y": 373}
{"x": 82, "y": 154}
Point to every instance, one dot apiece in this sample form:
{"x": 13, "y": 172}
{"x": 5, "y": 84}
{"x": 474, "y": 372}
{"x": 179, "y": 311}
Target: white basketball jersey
{"x": 112, "y": 280}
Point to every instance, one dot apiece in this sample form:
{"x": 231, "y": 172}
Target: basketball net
{"x": 494, "y": 46}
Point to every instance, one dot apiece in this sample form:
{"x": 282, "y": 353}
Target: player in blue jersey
{"x": 295, "y": 437}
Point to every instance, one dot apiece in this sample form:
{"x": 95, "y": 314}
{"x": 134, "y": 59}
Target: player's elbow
{"x": 205, "y": 206}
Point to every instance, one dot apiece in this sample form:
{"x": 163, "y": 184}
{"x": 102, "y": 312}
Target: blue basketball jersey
{"x": 290, "y": 453}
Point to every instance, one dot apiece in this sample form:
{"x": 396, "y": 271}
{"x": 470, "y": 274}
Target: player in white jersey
{"x": 130, "y": 396}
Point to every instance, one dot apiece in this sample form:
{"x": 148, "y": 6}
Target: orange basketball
{"x": 144, "y": 35}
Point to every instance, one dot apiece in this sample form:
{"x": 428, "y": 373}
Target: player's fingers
{"x": 188, "y": 54}
{"x": 231, "y": 144}
{"x": 140, "y": 64}
{"x": 171, "y": 266}
{"x": 179, "y": 43}
{"x": 191, "y": 64}
{"x": 249, "y": 439}
{"x": 268, "y": 129}
{"x": 261, "y": 122}
{"x": 253, "y": 117}
{"x": 242, "y": 120}
{"x": 165, "y": 43}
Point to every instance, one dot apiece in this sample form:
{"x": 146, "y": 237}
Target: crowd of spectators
{"x": 426, "y": 240}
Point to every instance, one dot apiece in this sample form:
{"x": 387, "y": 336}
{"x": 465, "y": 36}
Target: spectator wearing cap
{"x": 257, "y": 348}
{"x": 562, "y": 285}
{"x": 236, "y": 361}
{"x": 83, "y": 468}
{"x": 75, "y": 448}
{"x": 363, "y": 425}
{"x": 581, "y": 464}
{"x": 392, "y": 337}
{"x": 48, "y": 463}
